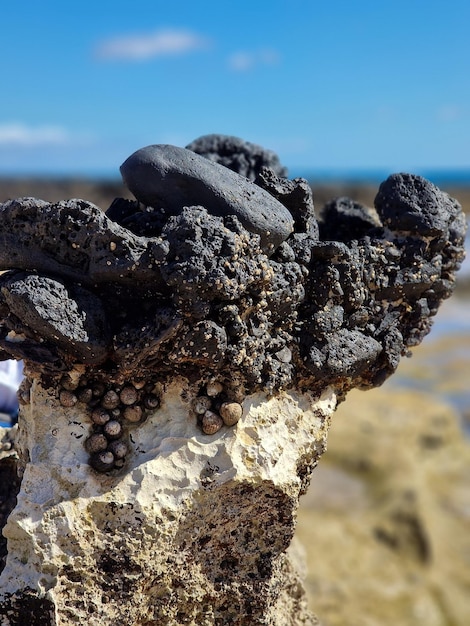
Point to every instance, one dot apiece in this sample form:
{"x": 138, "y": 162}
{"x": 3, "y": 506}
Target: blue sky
{"x": 335, "y": 85}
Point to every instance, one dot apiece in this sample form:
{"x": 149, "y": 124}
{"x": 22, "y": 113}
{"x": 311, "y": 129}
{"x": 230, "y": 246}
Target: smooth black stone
{"x": 168, "y": 177}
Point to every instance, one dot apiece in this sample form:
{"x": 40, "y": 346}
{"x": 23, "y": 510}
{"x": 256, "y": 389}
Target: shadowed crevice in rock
{"x": 27, "y": 607}
{"x": 9, "y": 487}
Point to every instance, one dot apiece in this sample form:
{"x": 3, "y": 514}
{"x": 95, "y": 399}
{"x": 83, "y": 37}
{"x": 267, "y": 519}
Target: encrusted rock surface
{"x": 183, "y": 353}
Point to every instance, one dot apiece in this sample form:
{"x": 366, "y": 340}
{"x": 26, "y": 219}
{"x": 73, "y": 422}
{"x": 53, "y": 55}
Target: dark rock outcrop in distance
{"x": 243, "y": 157}
{"x": 187, "y": 280}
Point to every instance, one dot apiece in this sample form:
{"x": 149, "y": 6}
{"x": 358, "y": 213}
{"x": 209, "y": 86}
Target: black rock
{"x": 296, "y": 195}
{"x": 410, "y": 203}
{"x": 344, "y": 219}
{"x": 171, "y": 178}
{"x": 210, "y": 259}
{"x": 243, "y": 157}
{"x": 70, "y": 317}
{"x": 74, "y": 239}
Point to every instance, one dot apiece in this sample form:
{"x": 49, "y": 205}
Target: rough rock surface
{"x": 318, "y": 311}
{"x": 195, "y": 531}
{"x": 385, "y": 522}
{"x": 243, "y": 157}
{"x": 147, "y": 332}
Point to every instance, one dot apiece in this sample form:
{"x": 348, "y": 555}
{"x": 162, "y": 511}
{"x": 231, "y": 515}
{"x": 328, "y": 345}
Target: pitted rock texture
{"x": 180, "y": 288}
{"x": 243, "y": 157}
{"x": 195, "y": 531}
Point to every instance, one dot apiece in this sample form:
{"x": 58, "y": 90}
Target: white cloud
{"x": 241, "y": 61}
{"x": 244, "y": 61}
{"x": 166, "y": 42}
{"x": 450, "y": 113}
{"x": 18, "y": 134}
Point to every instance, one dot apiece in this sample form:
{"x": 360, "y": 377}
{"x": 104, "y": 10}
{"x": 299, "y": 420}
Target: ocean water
{"x": 458, "y": 177}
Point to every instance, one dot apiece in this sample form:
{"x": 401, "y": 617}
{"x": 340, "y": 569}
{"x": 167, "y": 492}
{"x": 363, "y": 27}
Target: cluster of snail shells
{"x": 213, "y": 410}
{"x": 113, "y": 408}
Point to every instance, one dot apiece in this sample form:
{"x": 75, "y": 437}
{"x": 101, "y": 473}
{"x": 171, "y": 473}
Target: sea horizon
{"x": 457, "y": 177}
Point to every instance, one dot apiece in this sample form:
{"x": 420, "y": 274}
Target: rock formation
{"x": 183, "y": 355}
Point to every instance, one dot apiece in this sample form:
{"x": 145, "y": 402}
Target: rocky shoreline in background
{"x": 103, "y": 192}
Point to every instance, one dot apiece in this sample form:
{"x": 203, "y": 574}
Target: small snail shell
{"x": 151, "y": 401}
{"x": 214, "y": 388}
{"x": 201, "y": 404}
{"x": 230, "y": 412}
{"x": 102, "y": 461}
{"x": 96, "y": 443}
{"x": 133, "y": 413}
{"x": 100, "y": 416}
{"x": 68, "y": 383}
{"x": 118, "y": 448}
{"x": 85, "y": 395}
{"x": 211, "y": 422}
{"x": 128, "y": 395}
{"x": 112, "y": 429}
{"x": 67, "y": 398}
{"x": 139, "y": 384}
{"x": 110, "y": 400}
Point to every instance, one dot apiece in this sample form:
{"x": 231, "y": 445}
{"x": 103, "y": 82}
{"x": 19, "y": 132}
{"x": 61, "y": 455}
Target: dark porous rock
{"x": 142, "y": 221}
{"x": 406, "y": 202}
{"x": 347, "y": 353}
{"x": 185, "y": 280}
{"x": 344, "y": 219}
{"x": 168, "y": 177}
{"x": 210, "y": 258}
{"x": 350, "y": 353}
{"x": 205, "y": 344}
{"x": 141, "y": 343}
{"x": 243, "y": 157}
{"x": 69, "y": 319}
{"x": 75, "y": 240}
{"x": 296, "y": 195}
{"x": 286, "y": 291}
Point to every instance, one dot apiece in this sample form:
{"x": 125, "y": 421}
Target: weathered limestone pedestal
{"x": 195, "y": 529}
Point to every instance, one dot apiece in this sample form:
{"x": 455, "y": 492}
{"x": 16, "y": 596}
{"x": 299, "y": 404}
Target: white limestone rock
{"x": 193, "y": 530}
